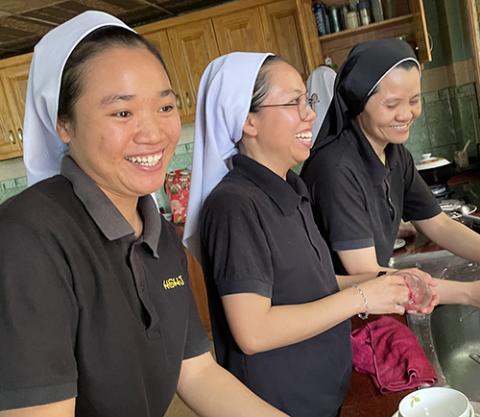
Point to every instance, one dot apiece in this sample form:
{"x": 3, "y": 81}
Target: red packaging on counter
{"x": 177, "y": 187}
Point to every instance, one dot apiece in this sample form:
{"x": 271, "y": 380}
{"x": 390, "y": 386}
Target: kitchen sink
{"x": 450, "y": 336}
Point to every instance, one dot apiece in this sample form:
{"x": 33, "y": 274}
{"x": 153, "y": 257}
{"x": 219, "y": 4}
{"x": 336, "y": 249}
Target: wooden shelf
{"x": 368, "y": 28}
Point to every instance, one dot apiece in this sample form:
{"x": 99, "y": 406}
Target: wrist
{"x": 465, "y": 293}
{"x": 362, "y": 302}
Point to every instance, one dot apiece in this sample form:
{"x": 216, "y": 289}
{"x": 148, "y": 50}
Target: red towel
{"x": 388, "y": 351}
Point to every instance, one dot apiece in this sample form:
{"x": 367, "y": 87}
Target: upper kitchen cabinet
{"x": 186, "y": 49}
{"x": 13, "y": 87}
{"x": 240, "y": 31}
{"x": 193, "y": 47}
{"x": 269, "y": 26}
{"x": 160, "y": 40}
{"x": 189, "y": 42}
{"x": 283, "y": 30}
{"x": 408, "y": 22}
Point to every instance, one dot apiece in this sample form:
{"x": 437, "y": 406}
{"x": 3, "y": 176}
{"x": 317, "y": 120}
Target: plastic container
{"x": 420, "y": 293}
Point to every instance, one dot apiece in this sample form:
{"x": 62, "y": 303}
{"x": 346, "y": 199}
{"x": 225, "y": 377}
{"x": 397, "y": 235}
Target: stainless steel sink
{"x": 450, "y": 336}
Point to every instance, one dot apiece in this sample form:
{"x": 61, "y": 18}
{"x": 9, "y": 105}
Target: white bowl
{"x": 435, "y": 402}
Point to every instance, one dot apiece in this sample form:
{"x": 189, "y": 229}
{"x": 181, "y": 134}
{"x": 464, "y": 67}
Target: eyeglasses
{"x": 303, "y": 103}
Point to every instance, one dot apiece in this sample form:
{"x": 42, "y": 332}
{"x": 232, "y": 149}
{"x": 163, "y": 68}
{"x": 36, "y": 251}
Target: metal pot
{"x": 435, "y": 170}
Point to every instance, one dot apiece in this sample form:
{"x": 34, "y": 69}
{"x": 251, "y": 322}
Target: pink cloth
{"x": 388, "y": 351}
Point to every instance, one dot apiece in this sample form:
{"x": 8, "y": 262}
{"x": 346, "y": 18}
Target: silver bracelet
{"x": 363, "y": 315}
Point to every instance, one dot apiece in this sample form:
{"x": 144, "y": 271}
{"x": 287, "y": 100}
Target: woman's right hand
{"x": 385, "y": 295}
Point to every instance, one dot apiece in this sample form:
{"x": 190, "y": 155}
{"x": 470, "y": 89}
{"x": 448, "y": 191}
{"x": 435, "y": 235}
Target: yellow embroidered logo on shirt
{"x": 171, "y": 283}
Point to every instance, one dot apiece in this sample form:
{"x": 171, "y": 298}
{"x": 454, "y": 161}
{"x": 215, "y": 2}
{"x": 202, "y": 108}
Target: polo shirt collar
{"x": 287, "y": 195}
{"x": 104, "y": 213}
{"x": 374, "y": 165}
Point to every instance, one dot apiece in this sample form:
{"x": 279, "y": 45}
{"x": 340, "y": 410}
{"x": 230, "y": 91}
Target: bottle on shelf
{"x": 352, "y": 20}
{"x": 364, "y": 13}
{"x": 377, "y": 10}
{"x": 389, "y": 8}
{"x": 318, "y": 11}
{"x": 333, "y": 13}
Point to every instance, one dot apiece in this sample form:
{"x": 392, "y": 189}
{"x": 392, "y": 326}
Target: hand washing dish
{"x": 420, "y": 294}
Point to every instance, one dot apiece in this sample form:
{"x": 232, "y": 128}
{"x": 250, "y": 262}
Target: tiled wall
{"x": 449, "y": 119}
{"x": 11, "y": 187}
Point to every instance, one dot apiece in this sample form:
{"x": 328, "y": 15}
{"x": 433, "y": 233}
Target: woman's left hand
{"x": 427, "y": 279}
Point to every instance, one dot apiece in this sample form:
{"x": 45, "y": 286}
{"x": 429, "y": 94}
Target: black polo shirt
{"x": 259, "y": 236}
{"x": 88, "y": 310}
{"x": 358, "y": 201}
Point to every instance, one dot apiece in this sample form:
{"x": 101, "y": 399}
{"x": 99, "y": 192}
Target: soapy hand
{"x": 423, "y": 296}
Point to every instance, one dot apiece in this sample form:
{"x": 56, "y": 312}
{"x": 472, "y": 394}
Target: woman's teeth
{"x": 146, "y": 161}
{"x": 400, "y": 127}
{"x": 304, "y": 136}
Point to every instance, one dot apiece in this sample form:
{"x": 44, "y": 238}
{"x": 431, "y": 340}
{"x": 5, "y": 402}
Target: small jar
{"x": 352, "y": 20}
{"x": 364, "y": 13}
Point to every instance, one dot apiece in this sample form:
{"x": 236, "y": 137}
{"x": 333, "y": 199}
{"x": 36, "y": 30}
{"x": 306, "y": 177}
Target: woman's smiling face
{"x": 282, "y": 130}
{"x": 126, "y": 124}
{"x": 391, "y": 110}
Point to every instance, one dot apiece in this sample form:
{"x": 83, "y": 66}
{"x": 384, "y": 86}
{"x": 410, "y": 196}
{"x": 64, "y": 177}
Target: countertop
{"x": 363, "y": 399}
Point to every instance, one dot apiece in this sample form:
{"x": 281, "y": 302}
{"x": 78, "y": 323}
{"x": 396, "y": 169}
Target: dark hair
{"x": 405, "y": 65}
{"x": 93, "y": 44}
{"x": 262, "y": 83}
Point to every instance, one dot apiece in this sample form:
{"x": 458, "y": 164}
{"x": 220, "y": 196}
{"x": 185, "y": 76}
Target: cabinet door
{"x": 160, "y": 41}
{"x": 15, "y": 79}
{"x": 420, "y": 30}
{"x": 283, "y": 33}
{"x": 9, "y": 143}
{"x": 240, "y": 31}
{"x": 193, "y": 45}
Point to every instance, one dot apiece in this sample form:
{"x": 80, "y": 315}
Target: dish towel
{"x": 388, "y": 351}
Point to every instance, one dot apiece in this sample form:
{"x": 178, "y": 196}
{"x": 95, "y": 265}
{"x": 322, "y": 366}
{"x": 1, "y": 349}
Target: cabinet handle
{"x": 189, "y": 102}
{"x": 20, "y": 135}
{"x": 179, "y": 102}
{"x": 11, "y": 137}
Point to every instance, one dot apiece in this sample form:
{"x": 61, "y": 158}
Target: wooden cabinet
{"x": 274, "y": 26}
{"x": 193, "y": 46}
{"x": 197, "y": 284}
{"x": 410, "y": 24}
{"x": 160, "y": 40}
{"x": 188, "y": 43}
{"x": 186, "y": 49}
{"x": 240, "y": 31}
{"x": 13, "y": 87}
{"x": 282, "y": 26}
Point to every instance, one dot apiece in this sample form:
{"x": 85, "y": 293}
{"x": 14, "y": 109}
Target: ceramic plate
{"x": 399, "y": 243}
{"x": 472, "y": 413}
{"x": 432, "y": 163}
